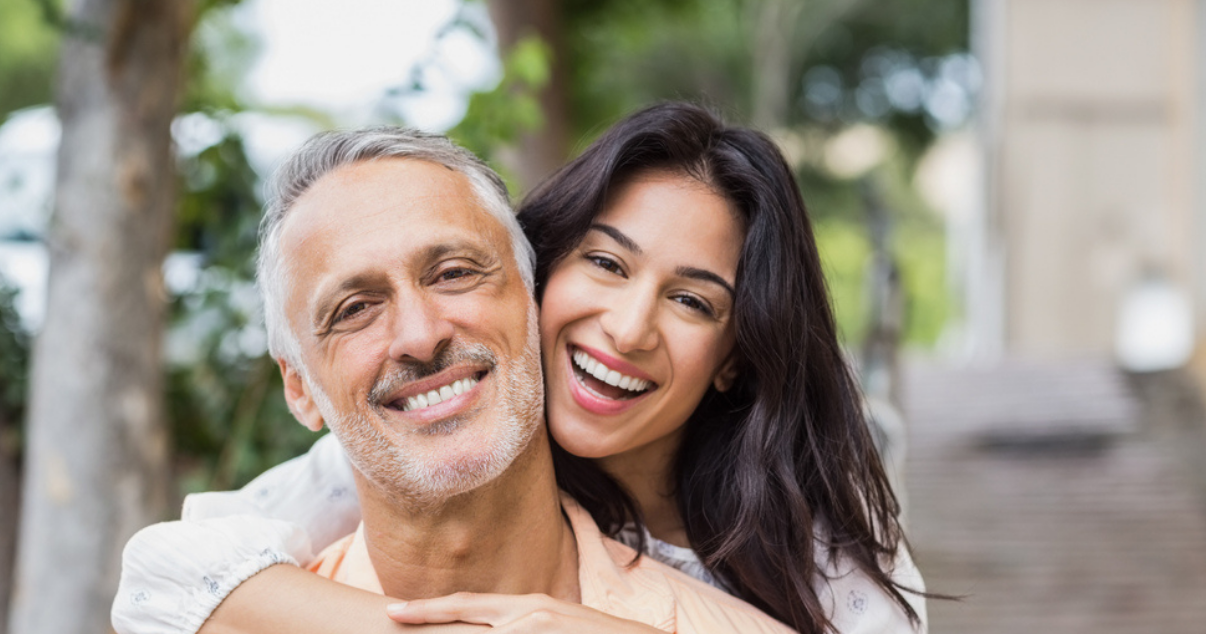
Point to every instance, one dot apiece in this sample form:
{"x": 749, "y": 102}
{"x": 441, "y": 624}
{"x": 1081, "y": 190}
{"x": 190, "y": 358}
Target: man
{"x": 398, "y": 298}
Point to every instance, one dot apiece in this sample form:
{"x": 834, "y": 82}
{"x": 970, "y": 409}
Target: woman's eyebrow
{"x": 618, "y": 236}
{"x": 705, "y": 275}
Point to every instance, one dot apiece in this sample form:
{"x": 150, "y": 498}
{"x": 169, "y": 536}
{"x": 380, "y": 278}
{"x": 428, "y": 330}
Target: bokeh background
{"x": 1009, "y": 195}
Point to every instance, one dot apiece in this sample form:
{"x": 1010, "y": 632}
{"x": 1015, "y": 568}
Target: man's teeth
{"x": 595, "y": 368}
{"x": 435, "y": 397}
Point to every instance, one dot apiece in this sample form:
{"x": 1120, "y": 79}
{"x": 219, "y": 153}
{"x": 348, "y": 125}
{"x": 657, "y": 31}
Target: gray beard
{"x": 417, "y": 480}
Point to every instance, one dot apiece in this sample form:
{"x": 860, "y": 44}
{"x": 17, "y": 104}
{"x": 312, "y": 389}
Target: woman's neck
{"x": 647, "y": 472}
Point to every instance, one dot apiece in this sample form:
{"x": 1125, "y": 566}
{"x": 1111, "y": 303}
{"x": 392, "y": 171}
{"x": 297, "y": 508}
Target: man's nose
{"x": 420, "y": 330}
{"x": 631, "y": 321}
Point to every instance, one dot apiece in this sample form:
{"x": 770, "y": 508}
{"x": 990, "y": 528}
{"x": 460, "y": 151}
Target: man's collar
{"x": 607, "y": 582}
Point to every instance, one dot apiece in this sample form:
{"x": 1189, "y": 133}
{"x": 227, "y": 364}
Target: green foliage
{"x": 225, "y": 403}
{"x": 14, "y": 358}
{"x": 229, "y": 419}
{"x": 218, "y": 212}
{"x": 220, "y": 52}
{"x": 626, "y": 54}
{"x": 495, "y": 119}
{"x": 845, "y": 254}
{"x": 28, "y": 54}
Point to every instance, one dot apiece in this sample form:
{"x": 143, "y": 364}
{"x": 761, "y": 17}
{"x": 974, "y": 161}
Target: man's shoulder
{"x": 653, "y": 592}
{"x": 701, "y": 607}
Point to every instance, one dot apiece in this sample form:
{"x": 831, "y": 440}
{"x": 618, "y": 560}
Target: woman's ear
{"x": 297, "y": 396}
{"x": 726, "y": 375}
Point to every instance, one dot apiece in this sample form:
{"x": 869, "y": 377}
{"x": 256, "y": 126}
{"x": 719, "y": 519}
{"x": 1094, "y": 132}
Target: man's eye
{"x": 455, "y": 274}
{"x": 606, "y": 263}
{"x": 351, "y": 310}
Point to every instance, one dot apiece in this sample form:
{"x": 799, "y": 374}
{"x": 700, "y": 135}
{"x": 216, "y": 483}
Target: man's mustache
{"x": 405, "y": 372}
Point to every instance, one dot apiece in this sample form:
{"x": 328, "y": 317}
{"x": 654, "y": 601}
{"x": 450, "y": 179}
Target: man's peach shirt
{"x": 649, "y": 592}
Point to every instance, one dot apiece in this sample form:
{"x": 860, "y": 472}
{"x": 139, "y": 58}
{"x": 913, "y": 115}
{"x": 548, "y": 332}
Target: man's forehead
{"x": 384, "y": 186}
{"x": 388, "y": 208}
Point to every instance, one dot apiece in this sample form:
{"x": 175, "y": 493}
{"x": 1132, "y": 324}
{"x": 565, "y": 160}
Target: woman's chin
{"x": 579, "y": 439}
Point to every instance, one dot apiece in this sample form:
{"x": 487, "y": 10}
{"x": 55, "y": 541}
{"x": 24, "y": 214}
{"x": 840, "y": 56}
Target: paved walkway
{"x": 1058, "y": 499}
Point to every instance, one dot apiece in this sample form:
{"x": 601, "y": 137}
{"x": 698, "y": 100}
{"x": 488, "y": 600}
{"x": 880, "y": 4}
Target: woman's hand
{"x": 528, "y": 613}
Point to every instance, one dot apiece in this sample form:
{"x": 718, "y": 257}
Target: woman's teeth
{"x": 595, "y": 368}
{"x": 435, "y": 397}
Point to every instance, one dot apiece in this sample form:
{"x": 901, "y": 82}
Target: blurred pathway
{"x": 1058, "y": 499}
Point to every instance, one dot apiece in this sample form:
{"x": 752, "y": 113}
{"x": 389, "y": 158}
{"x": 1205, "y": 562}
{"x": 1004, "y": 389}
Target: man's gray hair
{"x": 329, "y": 151}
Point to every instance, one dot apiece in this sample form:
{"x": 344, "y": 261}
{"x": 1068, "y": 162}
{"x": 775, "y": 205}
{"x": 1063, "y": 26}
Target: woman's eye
{"x": 605, "y": 263}
{"x": 696, "y": 304}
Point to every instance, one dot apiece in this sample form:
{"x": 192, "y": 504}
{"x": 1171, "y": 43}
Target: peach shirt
{"x": 650, "y": 592}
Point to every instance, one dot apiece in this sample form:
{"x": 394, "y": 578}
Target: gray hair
{"x": 329, "y": 151}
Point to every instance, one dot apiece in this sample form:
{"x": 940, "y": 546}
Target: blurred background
{"x": 1009, "y": 195}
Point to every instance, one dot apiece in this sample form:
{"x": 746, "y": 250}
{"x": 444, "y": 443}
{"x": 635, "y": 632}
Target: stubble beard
{"x": 422, "y": 479}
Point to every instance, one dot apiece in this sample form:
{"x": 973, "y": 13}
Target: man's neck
{"x": 508, "y": 536}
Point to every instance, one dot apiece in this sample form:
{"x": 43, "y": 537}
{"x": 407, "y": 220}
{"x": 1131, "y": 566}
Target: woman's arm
{"x": 174, "y": 574}
{"x": 857, "y": 605}
{"x": 289, "y": 599}
{"x": 315, "y": 491}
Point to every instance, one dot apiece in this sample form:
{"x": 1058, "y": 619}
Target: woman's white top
{"x": 175, "y": 574}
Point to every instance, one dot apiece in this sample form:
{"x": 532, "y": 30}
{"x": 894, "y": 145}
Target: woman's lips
{"x": 597, "y": 395}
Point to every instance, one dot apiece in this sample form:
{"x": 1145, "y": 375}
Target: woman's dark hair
{"x": 786, "y": 450}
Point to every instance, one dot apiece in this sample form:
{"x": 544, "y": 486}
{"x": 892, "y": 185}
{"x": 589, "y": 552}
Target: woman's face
{"x": 636, "y": 322}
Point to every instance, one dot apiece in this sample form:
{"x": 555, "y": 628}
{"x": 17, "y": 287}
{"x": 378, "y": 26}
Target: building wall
{"x": 1094, "y": 168}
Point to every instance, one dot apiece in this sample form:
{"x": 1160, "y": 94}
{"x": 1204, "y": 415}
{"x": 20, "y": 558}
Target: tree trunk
{"x": 542, "y": 151}
{"x": 10, "y": 489}
{"x": 96, "y": 460}
{"x": 774, "y": 44}
{"x": 782, "y": 32}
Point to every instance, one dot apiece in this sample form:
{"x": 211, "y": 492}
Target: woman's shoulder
{"x": 853, "y": 600}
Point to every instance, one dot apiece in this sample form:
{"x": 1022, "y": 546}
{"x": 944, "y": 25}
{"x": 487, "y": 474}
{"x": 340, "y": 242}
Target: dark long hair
{"x": 787, "y": 448}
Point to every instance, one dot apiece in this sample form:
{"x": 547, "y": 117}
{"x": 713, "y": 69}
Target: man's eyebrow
{"x": 705, "y": 275}
{"x": 458, "y": 247}
{"x": 331, "y": 297}
{"x": 618, "y": 236}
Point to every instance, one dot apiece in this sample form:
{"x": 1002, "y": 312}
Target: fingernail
{"x": 395, "y": 609}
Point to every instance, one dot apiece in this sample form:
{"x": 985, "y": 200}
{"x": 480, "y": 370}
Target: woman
{"x": 698, "y": 399}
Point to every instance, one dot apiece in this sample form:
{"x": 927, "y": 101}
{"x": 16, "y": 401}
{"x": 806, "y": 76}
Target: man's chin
{"x": 426, "y": 471}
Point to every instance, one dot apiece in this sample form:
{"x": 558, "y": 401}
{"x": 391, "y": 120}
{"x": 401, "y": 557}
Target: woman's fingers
{"x": 527, "y": 614}
{"x": 468, "y": 607}
{"x": 588, "y": 621}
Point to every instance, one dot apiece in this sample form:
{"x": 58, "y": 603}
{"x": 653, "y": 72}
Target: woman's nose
{"x": 631, "y": 321}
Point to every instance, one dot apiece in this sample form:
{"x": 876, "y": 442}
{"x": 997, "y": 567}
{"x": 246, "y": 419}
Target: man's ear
{"x": 297, "y": 395}
{"x": 727, "y": 374}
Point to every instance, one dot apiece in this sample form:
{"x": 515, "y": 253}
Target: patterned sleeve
{"x": 858, "y": 606}
{"x": 175, "y": 574}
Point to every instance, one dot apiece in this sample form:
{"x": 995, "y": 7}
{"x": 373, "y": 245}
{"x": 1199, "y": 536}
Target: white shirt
{"x": 175, "y": 574}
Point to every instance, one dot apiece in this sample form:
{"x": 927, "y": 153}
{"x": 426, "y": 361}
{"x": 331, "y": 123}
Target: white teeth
{"x": 437, "y": 396}
{"x": 595, "y": 368}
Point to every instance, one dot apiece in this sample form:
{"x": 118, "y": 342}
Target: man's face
{"x": 418, "y": 337}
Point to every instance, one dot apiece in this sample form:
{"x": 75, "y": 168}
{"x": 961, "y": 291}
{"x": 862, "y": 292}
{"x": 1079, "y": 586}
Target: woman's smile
{"x": 599, "y": 389}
